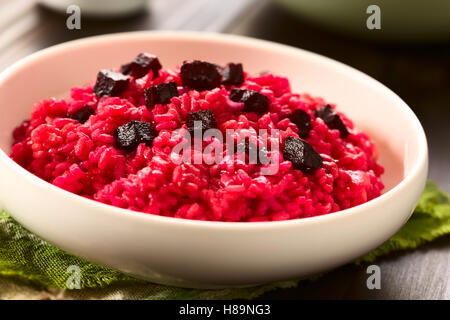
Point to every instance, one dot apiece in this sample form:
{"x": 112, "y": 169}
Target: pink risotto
{"x": 114, "y": 141}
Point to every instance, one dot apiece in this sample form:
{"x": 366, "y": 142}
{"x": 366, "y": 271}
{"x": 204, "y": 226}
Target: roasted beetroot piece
{"x": 303, "y": 122}
{"x": 126, "y": 69}
{"x": 233, "y": 74}
{"x": 110, "y": 83}
{"x": 131, "y": 135}
{"x": 301, "y": 154}
{"x": 332, "y": 120}
{"x": 253, "y": 100}
{"x": 83, "y": 114}
{"x": 142, "y": 64}
{"x": 206, "y": 117}
{"x": 200, "y": 75}
{"x": 160, "y": 94}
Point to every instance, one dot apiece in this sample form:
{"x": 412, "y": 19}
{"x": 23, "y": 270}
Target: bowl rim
{"x": 219, "y": 38}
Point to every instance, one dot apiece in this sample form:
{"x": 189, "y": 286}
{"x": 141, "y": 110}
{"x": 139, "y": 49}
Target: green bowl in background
{"x": 408, "y": 21}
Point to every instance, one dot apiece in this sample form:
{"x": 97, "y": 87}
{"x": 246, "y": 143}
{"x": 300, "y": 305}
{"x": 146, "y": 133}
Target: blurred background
{"x": 410, "y": 54}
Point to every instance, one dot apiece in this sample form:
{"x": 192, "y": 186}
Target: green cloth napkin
{"x": 29, "y": 262}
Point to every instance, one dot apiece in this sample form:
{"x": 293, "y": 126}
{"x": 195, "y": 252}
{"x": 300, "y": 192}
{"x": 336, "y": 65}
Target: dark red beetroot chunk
{"x": 143, "y": 63}
{"x": 332, "y": 120}
{"x": 301, "y": 154}
{"x": 303, "y": 122}
{"x": 131, "y": 135}
{"x": 83, "y": 114}
{"x": 253, "y": 100}
{"x": 200, "y": 75}
{"x": 160, "y": 94}
{"x": 126, "y": 69}
{"x": 206, "y": 117}
{"x": 233, "y": 74}
{"x": 110, "y": 83}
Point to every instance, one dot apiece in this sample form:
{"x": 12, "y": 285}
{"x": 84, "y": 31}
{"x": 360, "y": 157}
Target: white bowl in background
{"x": 200, "y": 253}
{"x": 99, "y": 8}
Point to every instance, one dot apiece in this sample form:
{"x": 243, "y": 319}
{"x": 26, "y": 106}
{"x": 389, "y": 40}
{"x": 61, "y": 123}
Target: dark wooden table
{"x": 420, "y": 74}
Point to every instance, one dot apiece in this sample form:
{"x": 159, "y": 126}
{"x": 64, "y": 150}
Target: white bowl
{"x": 211, "y": 254}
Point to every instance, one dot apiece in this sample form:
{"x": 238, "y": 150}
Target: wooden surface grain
{"x": 420, "y": 74}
